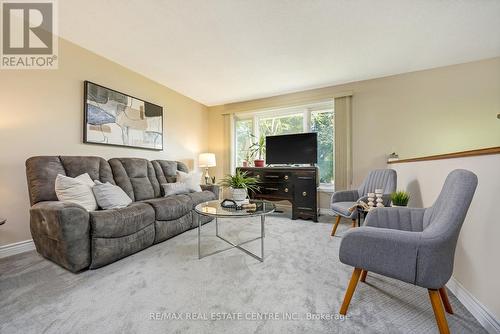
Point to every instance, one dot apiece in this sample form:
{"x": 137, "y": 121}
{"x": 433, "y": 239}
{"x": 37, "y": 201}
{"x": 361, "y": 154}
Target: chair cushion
{"x": 200, "y": 197}
{"x": 121, "y": 222}
{"x": 342, "y": 208}
{"x": 171, "y": 207}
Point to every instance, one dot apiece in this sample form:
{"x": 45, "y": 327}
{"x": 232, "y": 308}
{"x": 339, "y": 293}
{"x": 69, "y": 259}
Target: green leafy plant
{"x": 400, "y": 198}
{"x": 249, "y": 156}
{"x": 240, "y": 180}
{"x": 258, "y": 148}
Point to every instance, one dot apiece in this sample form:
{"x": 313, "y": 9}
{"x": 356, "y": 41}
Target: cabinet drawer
{"x": 277, "y": 189}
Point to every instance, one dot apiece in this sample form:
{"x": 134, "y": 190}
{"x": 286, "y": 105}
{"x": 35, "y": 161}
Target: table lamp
{"x": 206, "y": 160}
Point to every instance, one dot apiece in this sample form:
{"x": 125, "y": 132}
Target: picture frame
{"x": 118, "y": 119}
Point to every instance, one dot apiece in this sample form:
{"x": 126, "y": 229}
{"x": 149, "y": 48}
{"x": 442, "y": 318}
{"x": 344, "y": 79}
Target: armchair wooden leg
{"x": 446, "y": 301}
{"x": 334, "y": 229}
{"x": 354, "y": 223}
{"x": 437, "y": 306}
{"x": 363, "y": 276}
{"x": 350, "y": 290}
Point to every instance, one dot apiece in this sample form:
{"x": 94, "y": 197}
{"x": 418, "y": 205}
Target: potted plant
{"x": 259, "y": 149}
{"x": 239, "y": 183}
{"x": 400, "y": 198}
{"x": 248, "y": 158}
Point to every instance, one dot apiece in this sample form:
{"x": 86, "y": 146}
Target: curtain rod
{"x": 296, "y": 103}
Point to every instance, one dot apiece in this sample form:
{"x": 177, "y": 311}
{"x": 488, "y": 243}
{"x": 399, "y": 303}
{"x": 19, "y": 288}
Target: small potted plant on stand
{"x": 239, "y": 183}
{"x": 259, "y": 149}
{"x": 248, "y": 158}
{"x": 400, "y": 198}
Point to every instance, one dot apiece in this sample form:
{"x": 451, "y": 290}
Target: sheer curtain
{"x": 343, "y": 143}
{"x": 228, "y": 156}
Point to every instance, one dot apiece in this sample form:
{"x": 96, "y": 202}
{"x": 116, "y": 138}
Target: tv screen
{"x": 301, "y": 148}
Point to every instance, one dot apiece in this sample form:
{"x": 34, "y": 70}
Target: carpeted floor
{"x": 301, "y": 280}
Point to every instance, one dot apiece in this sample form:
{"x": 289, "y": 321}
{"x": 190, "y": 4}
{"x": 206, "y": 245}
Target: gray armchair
{"x": 343, "y": 200}
{"x": 416, "y": 246}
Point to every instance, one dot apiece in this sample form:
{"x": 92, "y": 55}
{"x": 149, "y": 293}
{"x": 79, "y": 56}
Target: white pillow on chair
{"x": 77, "y": 190}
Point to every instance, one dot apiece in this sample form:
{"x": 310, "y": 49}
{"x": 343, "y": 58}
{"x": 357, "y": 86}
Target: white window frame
{"x": 306, "y": 111}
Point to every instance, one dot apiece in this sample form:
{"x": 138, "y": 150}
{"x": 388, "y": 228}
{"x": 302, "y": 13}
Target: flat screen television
{"x": 301, "y": 148}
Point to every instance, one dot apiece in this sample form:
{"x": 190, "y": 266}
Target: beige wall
{"x": 435, "y": 111}
{"x": 41, "y": 113}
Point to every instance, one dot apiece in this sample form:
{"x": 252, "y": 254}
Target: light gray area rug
{"x": 297, "y": 289}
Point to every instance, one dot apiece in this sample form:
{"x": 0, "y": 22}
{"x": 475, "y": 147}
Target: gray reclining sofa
{"x": 76, "y": 239}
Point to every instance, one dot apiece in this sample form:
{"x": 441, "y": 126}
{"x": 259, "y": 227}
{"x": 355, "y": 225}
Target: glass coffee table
{"x": 215, "y": 210}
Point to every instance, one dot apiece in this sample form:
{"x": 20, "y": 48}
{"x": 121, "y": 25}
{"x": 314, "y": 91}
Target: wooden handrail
{"x": 462, "y": 154}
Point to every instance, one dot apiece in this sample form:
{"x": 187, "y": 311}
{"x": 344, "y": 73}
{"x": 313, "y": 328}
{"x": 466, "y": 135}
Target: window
{"x": 243, "y": 130}
{"x": 318, "y": 117}
{"x": 281, "y": 125}
{"x": 322, "y": 123}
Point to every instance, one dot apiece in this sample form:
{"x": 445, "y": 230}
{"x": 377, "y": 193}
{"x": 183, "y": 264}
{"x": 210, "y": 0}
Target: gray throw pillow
{"x": 109, "y": 196}
{"x": 175, "y": 188}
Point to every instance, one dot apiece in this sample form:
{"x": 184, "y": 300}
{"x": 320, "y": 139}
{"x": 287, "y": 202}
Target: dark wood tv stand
{"x": 295, "y": 184}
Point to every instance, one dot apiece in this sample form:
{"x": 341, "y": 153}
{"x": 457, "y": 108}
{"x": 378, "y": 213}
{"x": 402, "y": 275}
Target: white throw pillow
{"x": 76, "y": 190}
{"x": 109, "y": 196}
{"x": 191, "y": 179}
{"x": 174, "y": 188}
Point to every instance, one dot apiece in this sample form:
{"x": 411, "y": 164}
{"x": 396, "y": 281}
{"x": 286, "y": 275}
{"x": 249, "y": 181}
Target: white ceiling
{"x": 220, "y": 51}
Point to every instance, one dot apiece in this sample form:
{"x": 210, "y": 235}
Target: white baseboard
{"x": 478, "y": 310}
{"x": 16, "y": 248}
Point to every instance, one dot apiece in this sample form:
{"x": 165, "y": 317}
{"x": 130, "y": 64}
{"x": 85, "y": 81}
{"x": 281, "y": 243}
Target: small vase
{"x": 238, "y": 195}
{"x": 245, "y": 163}
{"x": 258, "y": 163}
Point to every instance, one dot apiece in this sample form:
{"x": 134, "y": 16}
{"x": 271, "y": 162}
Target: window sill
{"x": 328, "y": 189}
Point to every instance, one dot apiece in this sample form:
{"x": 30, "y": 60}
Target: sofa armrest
{"x": 345, "y": 196}
{"x": 388, "y": 252}
{"x": 211, "y": 187}
{"x": 404, "y": 219}
{"x": 61, "y": 232}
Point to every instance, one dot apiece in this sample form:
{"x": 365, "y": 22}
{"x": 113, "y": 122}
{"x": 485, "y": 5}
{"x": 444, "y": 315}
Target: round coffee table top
{"x": 214, "y": 209}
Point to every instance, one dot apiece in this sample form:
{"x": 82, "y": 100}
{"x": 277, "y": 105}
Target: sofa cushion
{"x": 121, "y": 222}
{"x": 167, "y": 229}
{"x": 200, "y": 197}
{"x": 136, "y": 177}
{"x": 171, "y": 207}
{"x": 166, "y": 171}
{"x": 96, "y": 167}
{"x": 108, "y": 250}
{"x": 42, "y": 171}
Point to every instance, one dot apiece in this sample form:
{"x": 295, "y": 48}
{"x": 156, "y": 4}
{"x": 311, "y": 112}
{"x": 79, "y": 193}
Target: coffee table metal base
{"x": 233, "y": 245}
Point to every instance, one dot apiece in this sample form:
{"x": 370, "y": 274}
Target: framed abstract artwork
{"x": 115, "y": 118}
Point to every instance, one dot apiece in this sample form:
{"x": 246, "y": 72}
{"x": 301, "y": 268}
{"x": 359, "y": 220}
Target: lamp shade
{"x": 206, "y": 160}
